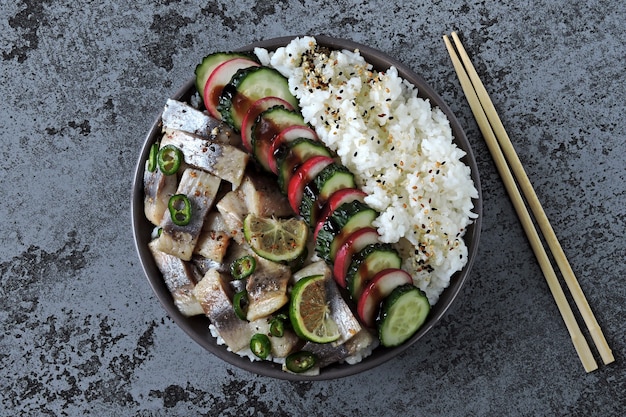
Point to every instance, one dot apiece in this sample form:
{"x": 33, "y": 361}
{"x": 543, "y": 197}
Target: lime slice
{"x": 309, "y": 311}
{"x": 279, "y": 240}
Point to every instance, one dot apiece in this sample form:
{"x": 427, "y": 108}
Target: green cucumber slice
{"x": 246, "y": 87}
{"x": 367, "y": 263}
{"x": 332, "y": 178}
{"x": 347, "y": 218}
{"x": 267, "y": 125}
{"x": 403, "y": 312}
{"x": 294, "y": 154}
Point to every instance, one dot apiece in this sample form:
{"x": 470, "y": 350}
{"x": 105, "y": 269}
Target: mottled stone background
{"x": 81, "y": 332}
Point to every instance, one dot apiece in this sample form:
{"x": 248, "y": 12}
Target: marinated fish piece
{"x": 340, "y": 312}
{"x": 314, "y": 268}
{"x": 180, "y": 279}
{"x": 358, "y": 346}
{"x": 214, "y": 295}
{"x": 213, "y": 241}
{"x": 361, "y": 346}
{"x": 200, "y": 188}
{"x": 267, "y": 288}
{"x": 281, "y": 346}
{"x": 181, "y": 116}
{"x": 222, "y": 160}
{"x": 233, "y": 209}
{"x": 203, "y": 264}
{"x": 158, "y": 188}
{"x": 327, "y": 353}
{"x": 262, "y": 197}
{"x": 257, "y": 194}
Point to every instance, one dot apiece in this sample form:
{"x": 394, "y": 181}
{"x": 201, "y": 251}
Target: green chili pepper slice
{"x": 240, "y": 304}
{"x": 180, "y": 209}
{"x": 277, "y": 325}
{"x": 300, "y": 361}
{"x": 169, "y": 159}
{"x": 243, "y": 267}
{"x": 260, "y": 345}
{"x": 152, "y": 158}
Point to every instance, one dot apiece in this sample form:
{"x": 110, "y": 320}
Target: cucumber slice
{"x": 368, "y": 262}
{"x": 332, "y": 178}
{"x": 246, "y": 87}
{"x": 267, "y": 126}
{"x": 210, "y": 62}
{"x": 347, "y": 218}
{"x": 288, "y": 158}
{"x": 402, "y": 313}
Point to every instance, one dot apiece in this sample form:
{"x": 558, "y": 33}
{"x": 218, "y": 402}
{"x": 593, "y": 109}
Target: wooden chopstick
{"x": 506, "y": 160}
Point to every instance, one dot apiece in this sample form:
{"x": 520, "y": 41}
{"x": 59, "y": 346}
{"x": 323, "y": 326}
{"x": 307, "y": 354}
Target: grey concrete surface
{"x": 81, "y": 332}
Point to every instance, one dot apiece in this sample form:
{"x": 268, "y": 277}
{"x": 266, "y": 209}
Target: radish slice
{"x": 345, "y": 195}
{"x": 355, "y": 242}
{"x": 253, "y": 112}
{"x": 288, "y": 134}
{"x": 381, "y": 285}
{"x": 221, "y": 76}
{"x": 305, "y": 173}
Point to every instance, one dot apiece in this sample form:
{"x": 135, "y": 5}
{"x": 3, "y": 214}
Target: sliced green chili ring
{"x": 300, "y": 361}
{"x": 277, "y": 326}
{"x": 169, "y": 159}
{"x": 152, "y": 159}
{"x": 260, "y": 345}
{"x": 240, "y": 304}
{"x": 243, "y": 267}
{"x": 180, "y": 209}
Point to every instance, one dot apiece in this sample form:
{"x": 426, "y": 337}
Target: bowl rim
{"x": 197, "y": 327}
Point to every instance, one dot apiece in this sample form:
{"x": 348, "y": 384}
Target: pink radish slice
{"x": 381, "y": 285}
{"x": 305, "y": 173}
{"x": 354, "y": 243}
{"x": 345, "y": 195}
{"x": 288, "y": 134}
{"x": 221, "y": 76}
{"x": 253, "y": 112}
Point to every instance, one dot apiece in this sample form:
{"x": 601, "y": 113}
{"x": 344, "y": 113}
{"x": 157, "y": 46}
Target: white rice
{"x": 399, "y": 148}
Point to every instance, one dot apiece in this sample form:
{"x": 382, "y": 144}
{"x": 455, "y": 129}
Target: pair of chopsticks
{"x": 514, "y": 176}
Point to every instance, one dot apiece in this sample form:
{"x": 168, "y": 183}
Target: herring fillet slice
{"x": 262, "y": 197}
{"x": 200, "y": 187}
{"x": 220, "y": 159}
{"x": 158, "y": 188}
{"x": 267, "y": 288}
{"x": 214, "y": 239}
{"x": 181, "y": 116}
{"x": 214, "y": 295}
{"x": 180, "y": 280}
{"x": 215, "y": 298}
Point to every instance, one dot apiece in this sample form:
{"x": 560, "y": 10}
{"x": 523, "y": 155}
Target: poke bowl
{"x": 199, "y": 326}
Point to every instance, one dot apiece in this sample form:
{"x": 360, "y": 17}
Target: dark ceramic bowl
{"x": 198, "y": 327}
